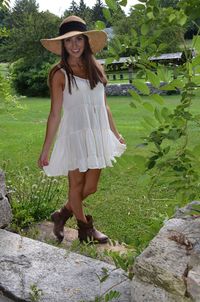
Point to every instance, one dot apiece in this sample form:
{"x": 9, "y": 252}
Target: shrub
{"x": 30, "y": 80}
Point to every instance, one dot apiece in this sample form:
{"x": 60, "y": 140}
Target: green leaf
{"x": 139, "y": 6}
{"x": 135, "y": 96}
{"x": 149, "y": 120}
{"x": 166, "y": 150}
{"x": 173, "y": 134}
{"x": 167, "y": 87}
{"x": 196, "y": 80}
{"x": 148, "y": 106}
{"x": 140, "y": 85}
{"x": 150, "y": 15}
{"x": 196, "y": 43}
{"x": 109, "y": 60}
{"x": 144, "y": 29}
{"x": 177, "y": 83}
{"x": 99, "y": 25}
{"x": 133, "y": 33}
{"x": 112, "y": 295}
{"x": 151, "y": 164}
{"x": 196, "y": 61}
{"x": 104, "y": 278}
{"x": 158, "y": 99}
{"x": 107, "y": 14}
{"x": 172, "y": 17}
{"x": 158, "y": 115}
{"x": 165, "y": 113}
{"x": 112, "y": 4}
{"x": 182, "y": 20}
{"x": 153, "y": 78}
{"x": 123, "y": 2}
{"x": 164, "y": 74}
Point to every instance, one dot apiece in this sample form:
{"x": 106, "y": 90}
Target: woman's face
{"x": 75, "y": 46}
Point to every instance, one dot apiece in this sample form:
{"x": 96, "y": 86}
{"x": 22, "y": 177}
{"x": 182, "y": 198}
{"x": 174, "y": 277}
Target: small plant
{"x": 87, "y": 249}
{"x": 125, "y": 261}
{"x": 33, "y": 196}
{"x": 35, "y": 293}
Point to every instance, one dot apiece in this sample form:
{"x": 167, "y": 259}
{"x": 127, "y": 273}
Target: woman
{"x": 87, "y": 139}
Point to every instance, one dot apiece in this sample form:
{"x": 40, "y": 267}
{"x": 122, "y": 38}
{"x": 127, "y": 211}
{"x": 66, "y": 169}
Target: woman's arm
{"x": 54, "y": 116}
{"x": 112, "y": 124}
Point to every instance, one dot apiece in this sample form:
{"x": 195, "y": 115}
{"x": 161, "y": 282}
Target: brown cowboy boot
{"x": 87, "y": 232}
{"x": 59, "y": 218}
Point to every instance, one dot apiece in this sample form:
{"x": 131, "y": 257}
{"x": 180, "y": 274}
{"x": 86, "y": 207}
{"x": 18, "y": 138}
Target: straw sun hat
{"x": 72, "y": 26}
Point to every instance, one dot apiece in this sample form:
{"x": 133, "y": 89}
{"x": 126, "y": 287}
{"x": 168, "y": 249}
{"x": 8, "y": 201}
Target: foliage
{"x": 170, "y": 156}
{"x": 29, "y": 26}
{"x": 30, "y": 79}
{"x": 8, "y": 100}
{"x": 31, "y": 60}
{"x": 33, "y": 197}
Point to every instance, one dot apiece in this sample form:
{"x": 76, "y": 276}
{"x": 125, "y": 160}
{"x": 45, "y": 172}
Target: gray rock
{"x": 123, "y": 89}
{"x": 168, "y": 266}
{"x": 164, "y": 263}
{"x": 5, "y": 213}
{"x": 185, "y": 212}
{"x": 5, "y": 209}
{"x": 193, "y": 283}
{"x": 28, "y": 266}
{"x": 2, "y": 183}
{"x": 146, "y": 292}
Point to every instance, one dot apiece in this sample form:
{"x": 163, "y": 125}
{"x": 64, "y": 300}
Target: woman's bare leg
{"x": 81, "y": 185}
{"x": 75, "y": 195}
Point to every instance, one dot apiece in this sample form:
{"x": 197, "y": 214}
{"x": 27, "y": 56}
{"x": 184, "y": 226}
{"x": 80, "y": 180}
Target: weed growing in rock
{"x": 35, "y": 293}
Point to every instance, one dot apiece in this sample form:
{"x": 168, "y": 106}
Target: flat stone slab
{"x": 44, "y": 232}
{"x": 30, "y": 268}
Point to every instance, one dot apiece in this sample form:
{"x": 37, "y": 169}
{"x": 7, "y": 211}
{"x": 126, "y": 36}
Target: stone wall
{"x": 5, "y": 209}
{"x": 122, "y": 89}
{"x": 168, "y": 270}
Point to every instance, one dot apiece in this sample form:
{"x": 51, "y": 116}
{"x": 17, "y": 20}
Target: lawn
{"x": 121, "y": 207}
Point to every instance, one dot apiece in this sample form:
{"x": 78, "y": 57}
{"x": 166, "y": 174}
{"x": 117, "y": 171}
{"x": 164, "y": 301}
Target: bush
{"x": 30, "y": 80}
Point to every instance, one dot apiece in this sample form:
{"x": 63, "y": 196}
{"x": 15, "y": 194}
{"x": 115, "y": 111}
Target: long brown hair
{"x": 94, "y": 70}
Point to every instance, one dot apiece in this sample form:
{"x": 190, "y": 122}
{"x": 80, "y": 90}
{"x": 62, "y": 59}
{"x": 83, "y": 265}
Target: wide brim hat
{"x": 73, "y": 26}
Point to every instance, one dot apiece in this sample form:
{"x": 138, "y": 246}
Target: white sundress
{"x": 84, "y": 139}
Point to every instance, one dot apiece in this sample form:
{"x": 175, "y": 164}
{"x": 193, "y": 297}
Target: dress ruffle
{"x": 83, "y": 150}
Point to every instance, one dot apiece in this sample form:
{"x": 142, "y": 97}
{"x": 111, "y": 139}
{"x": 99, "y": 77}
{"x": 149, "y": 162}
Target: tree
{"x": 7, "y": 99}
{"x": 21, "y": 10}
{"x": 73, "y": 9}
{"x": 97, "y": 12}
{"x": 81, "y": 10}
{"x": 85, "y": 12}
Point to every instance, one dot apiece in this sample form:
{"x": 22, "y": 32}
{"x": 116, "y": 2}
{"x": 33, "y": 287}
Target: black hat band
{"x": 72, "y": 26}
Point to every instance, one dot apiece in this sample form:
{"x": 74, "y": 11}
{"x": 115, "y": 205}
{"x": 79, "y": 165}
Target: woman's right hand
{"x": 43, "y": 160}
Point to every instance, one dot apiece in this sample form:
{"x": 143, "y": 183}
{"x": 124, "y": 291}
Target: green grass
{"x": 120, "y": 207}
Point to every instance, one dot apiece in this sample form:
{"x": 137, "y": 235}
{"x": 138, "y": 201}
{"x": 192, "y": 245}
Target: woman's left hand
{"x": 121, "y": 139}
